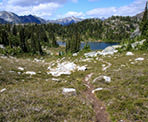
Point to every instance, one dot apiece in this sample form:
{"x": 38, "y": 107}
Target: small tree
{"x": 73, "y": 44}
{"x": 22, "y": 40}
{"x": 144, "y": 22}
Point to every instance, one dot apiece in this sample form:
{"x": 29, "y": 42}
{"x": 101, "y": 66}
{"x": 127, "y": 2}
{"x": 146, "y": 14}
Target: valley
{"x": 88, "y": 69}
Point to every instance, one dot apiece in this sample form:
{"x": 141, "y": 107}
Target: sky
{"x": 55, "y": 9}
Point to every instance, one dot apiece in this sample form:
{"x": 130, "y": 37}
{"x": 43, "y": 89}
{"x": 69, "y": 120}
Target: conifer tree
{"x": 4, "y": 37}
{"x": 39, "y": 47}
{"x": 144, "y": 22}
{"x": 14, "y": 30}
{"x": 33, "y": 43}
{"x": 22, "y": 40}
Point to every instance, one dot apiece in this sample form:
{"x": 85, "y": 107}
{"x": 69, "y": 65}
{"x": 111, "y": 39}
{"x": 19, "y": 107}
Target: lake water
{"x": 93, "y": 45}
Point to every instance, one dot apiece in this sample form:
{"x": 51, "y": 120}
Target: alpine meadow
{"x": 74, "y": 61}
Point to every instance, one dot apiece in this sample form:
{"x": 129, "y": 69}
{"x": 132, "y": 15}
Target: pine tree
{"x": 33, "y": 43}
{"x": 73, "y": 44}
{"x": 4, "y": 37}
{"x": 53, "y": 40}
{"x": 14, "y": 30}
{"x": 144, "y": 22}
{"x": 22, "y": 40}
{"x": 39, "y": 47}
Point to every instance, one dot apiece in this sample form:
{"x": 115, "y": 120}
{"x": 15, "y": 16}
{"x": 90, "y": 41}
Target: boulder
{"x": 91, "y": 54}
{"x": 82, "y": 68}
{"x": 69, "y": 91}
{"x": 55, "y": 79}
{"x": 102, "y": 78}
{"x": 136, "y": 33}
{"x": 98, "y": 89}
{"x": 21, "y": 68}
{"x": 2, "y": 46}
{"x": 30, "y": 73}
{"x": 75, "y": 54}
{"x": 65, "y": 68}
{"x": 109, "y": 51}
{"x": 2, "y": 90}
{"x": 134, "y": 45}
{"x": 139, "y": 59}
{"x": 129, "y": 54}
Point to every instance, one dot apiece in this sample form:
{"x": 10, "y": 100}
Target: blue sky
{"x": 54, "y": 9}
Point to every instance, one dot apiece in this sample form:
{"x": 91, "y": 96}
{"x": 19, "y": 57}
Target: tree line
{"x": 30, "y": 38}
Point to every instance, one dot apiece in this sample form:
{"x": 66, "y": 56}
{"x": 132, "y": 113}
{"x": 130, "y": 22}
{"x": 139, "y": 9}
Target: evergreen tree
{"x": 39, "y": 47}
{"x": 33, "y": 43}
{"x": 144, "y": 22}
{"x": 73, "y": 44}
{"x": 53, "y": 40}
{"x": 14, "y": 30}
{"x": 22, "y": 40}
{"x": 4, "y": 37}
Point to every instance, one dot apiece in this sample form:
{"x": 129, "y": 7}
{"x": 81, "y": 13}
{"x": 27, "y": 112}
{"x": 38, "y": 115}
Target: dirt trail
{"x": 99, "y": 108}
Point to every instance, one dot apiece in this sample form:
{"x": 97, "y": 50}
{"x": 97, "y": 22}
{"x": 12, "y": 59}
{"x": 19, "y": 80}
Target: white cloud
{"x": 47, "y": 8}
{"x": 44, "y": 9}
{"x": 41, "y": 8}
{"x": 33, "y": 2}
{"x": 92, "y": 0}
{"x": 130, "y": 10}
{"x": 75, "y": 1}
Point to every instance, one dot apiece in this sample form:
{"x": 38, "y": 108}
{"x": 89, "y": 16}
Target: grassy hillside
{"x": 39, "y": 97}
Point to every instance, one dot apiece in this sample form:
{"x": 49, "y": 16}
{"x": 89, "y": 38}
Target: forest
{"x": 31, "y": 38}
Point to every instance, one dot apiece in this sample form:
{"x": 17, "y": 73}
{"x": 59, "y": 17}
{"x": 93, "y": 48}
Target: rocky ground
{"x": 86, "y": 87}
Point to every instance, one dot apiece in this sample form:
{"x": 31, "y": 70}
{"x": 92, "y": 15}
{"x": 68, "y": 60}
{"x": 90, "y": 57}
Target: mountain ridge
{"x": 10, "y": 17}
{"x": 66, "y": 20}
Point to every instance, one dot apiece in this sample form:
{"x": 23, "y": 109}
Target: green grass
{"x": 38, "y": 98}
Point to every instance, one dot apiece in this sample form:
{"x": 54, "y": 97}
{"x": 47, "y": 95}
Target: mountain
{"x": 139, "y": 16}
{"x": 2, "y": 21}
{"x": 66, "y": 21}
{"x": 32, "y": 19}
{"x": 10, "y": 17}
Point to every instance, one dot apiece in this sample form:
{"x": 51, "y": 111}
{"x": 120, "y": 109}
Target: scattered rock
{"x": 38, "y": 60}
{"x": 107, "y": 79}
{"x": 139, "y": 59}
{"x": 109, "y": 51}
{"x": 69, "y": 91}
{"x": 30, "y": 73}
{"x": 65, "y": 68}
{"x": 98, "y": 89}
{"x": 129, "y": 54}
{"x": 19, "y": 73}
{"x": 11, "y": 71}
{"x": 106, "y": 67}
{"x": 122, "y": 65}
{"x": 3, "y": 90}
{"x": 2, "y": 46}
{"x": 91, "y": 54}
{"x": 55, "y": 79}
{"x": 102, "y": 78}
{"x": 132, "y": 62}
{"x": 21, "y": 68}
{"x": 87, "y": 60}
{"x": 136, "y": 33}
{"x": 75, "y": 54}
{"x": 82, "y": 68}
{"x": 134, "y": 45}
